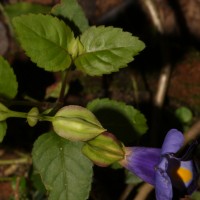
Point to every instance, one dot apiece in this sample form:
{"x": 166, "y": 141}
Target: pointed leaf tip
{"x": 8, "y": 80}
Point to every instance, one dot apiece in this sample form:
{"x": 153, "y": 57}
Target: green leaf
{"x": 21, "y": 8}
{"x": 54, "y": 90}
{"x": 8, "y": 81}
{"x": 71, "y": 10}
{"x": 3, "y": 128}
{"x": 37, "y": 182}
{"x": 107, "y": 49}
{"x": 65, "y": 171}
{"x": 184, "y": 114}
{"x": 132, "y": 178}
{"x": 195, "y": 195}
{"x": 45, "y": 40}
{"x": 126, "y": 122}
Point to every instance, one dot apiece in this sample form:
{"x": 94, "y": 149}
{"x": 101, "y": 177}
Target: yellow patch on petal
{"x": 185, "y": 174}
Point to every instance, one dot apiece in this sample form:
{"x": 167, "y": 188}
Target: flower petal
{"x": 163, "y": 185}
{"x": 173, "y": 142}
{"x": 184, "y": 175}
{"x": 191, "y": 184}
{"x": 142, "y": 161}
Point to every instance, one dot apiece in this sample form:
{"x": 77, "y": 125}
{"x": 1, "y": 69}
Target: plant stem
{"x": 193, "y": 133}
{"x": 3, "y": 179}
{"x": 45, "y": 118}
{"x": 144, "y": 191}
{"x": 24, "y": 160}
{"x": 41, "y": 105}
{"x": 60, "y": 100}
{"x": 128, "y": 189}
{"x": 25, "y": 115}
{"x": 17, "y": 114}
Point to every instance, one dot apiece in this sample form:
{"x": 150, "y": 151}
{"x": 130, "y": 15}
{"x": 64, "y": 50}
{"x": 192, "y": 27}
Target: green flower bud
{"x": 104, "y": 150}
{"x": 76, "y": 123}
{"x": 32, "y": 116}
{"x": 75, "y": 48}
{"x": 4, "y": 112}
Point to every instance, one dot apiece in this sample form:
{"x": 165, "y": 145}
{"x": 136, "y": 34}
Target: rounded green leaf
{"x": 126, "y": 122}
{"x": 71, "y": 10}
{"x": 107, "y": 49}
{"x": 45, "y": 40}
{"x": 65, "y": 171}
{"x": 76, "y": 123}
{"x": 184, "y": 114}
{"x": 3, "y": 128}
{"x": 8, "y": 81}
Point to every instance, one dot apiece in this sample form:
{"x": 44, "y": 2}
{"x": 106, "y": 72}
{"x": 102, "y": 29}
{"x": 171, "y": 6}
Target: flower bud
{"x": 76, "y": 123}
{"x": 32, "y": 116}
{"x": 75, "y": 47}
{"x": 104, "y": 150}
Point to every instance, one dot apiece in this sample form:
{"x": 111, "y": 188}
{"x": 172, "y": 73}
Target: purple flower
{"x": 162, "y": 168}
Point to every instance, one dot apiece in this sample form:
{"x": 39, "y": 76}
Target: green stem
{"x": 64, "y": 84}
{"x": 24, "y": 160}
{"x": 45, "y": 118}
{"x": 4, "y": 179}
{"x": 25, "y": 115}
{"x": 60, "y": 100}
{"x": 41, "y": 105}
{"x": 17, "y": 114}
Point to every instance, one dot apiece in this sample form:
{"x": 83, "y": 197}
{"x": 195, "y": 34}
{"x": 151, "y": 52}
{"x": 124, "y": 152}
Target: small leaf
{"x": 45, "y": 40}
{"x": 126, "y": 122}
{"x": 184, "y": 114}
{"x": 132, "y": 178}
{"x": 65, "y": 171}
{"x": 8, "y": 81}
{"x": 54, "y": 90}
{"x": 3, "y": 128}
{"x": 75, "y": 48}
{"x": 71, "y": 10}
{"x": 107, "y": 49}
{"x": 20, "y": 8}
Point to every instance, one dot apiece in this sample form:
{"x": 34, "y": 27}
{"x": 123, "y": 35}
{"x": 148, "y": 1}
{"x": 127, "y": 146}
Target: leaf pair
{"x": 51, "y": 44}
